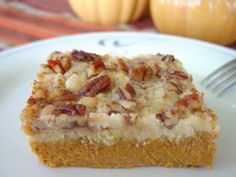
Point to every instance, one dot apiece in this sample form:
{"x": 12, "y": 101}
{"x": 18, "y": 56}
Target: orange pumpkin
{"x": 211, "y": 20}
{"x": 109, "y": 12}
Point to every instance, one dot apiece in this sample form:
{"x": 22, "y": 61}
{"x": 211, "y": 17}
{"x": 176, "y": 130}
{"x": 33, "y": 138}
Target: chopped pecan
{"x": 168, "y": 58}
{"x": 191, "y": 101}
{"x": 122, "y": 65}
{"x": 96, "y": 67}
{"x": 81, "y": 109}
{"x": 39, "y": 101}
{"x": 65, "y": 63}
{"x": 161, "y": 116}
{"x": 31, "y": 101}
{"x": 66, "y": 96}
{"x": 72, "y": 110}
{"x": 68, "y": 110}
{"x": 126, "y": 93}
{"x": 148, "y": 73}
{"x": 59, "y": 62}
{"x": 141, "y": 73}
{"x": 121, "y": 93}
{"x": 166, "y": 121}
{"x": 83, "y": 56}
{"x": 128, "y": 106}
{"x": 137, "y": 74}
{"x": 180, "y": 75}
{"x": 178, "y": 89}
{"x": 129, "y": 88}
{"x": 56, "y": 66}
{"x": 95, "y": 86}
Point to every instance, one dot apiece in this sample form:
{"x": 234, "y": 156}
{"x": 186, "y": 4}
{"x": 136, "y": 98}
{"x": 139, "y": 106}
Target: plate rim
{"x": 197, "y": 42}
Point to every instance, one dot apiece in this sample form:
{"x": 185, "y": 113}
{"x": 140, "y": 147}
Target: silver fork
{"x": 222, "y": 79}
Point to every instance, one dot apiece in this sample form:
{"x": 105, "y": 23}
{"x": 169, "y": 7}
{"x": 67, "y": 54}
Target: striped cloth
{"x": 24, "y": 21}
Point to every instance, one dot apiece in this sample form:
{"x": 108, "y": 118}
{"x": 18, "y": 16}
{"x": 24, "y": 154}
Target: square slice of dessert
{"x": 106, "y": 111}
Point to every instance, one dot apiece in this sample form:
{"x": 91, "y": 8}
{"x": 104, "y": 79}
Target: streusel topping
{"x": 106, "y": 96}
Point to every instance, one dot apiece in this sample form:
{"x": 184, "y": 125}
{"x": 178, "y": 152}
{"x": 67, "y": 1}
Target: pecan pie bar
{"x": 106, "y": 111}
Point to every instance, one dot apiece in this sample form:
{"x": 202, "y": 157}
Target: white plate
{"x": 18, "y": 67}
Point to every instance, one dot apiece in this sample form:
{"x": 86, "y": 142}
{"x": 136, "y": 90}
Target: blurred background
{"x": 24, "y": 21}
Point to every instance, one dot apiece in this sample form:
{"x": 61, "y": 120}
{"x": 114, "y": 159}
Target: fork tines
{"x": 222, "y": 79}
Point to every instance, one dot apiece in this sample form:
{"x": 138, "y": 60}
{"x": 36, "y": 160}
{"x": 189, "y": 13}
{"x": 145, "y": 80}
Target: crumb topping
{"x": 86, "y": 91}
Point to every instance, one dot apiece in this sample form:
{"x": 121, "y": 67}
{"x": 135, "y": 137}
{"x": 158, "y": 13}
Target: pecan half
{"x": 72, "y": 110}
{"x": 168, "y": 58}
{"x": 83, "y": 56}
{"x": 95, "y": 86}
{"x": 56, "y": 66}
{"x": 141, "y": 73}
{"x": 122, "y": 65}
{"x": 126, "y": 93}
{"x": 180, "y": 75}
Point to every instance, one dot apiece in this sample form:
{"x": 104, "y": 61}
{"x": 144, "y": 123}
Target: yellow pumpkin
{"x": 109, "y": 12}
{"x": 211, "y": 20}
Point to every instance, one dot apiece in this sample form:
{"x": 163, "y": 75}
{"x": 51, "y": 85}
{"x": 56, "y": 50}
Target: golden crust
{"x": 191, "y": 151}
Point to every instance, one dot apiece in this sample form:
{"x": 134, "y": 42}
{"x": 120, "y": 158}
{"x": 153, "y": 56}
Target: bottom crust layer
{"x": 192, "y": 151}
